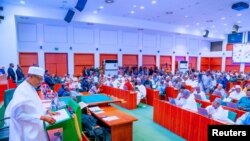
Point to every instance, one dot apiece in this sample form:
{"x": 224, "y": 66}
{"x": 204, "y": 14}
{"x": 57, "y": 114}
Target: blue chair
{"x": 232, "y": 115}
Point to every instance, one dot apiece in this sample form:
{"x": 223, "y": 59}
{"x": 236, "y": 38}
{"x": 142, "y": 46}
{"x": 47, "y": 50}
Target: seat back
{"x": 232, "y": 115}
{"x": 8, "y": 95}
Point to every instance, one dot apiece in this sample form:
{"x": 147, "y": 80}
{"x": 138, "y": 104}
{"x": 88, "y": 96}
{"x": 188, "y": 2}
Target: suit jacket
{"x": 19, "y": 74}
{"x": 11, "y": 74}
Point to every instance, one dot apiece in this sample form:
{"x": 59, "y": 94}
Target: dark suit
{"x": 11, "y": 74}
{"x": 19, "y": 74}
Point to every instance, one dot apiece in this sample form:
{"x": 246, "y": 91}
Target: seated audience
{"x": 201, "y": 93}
{"x": 64, "y": 90}
{"x": 236, "y": 94}
{"x": 216, "y": 111}
{"x": 94, "y": 89}
{"x": 187, "y": 101}
{"x": 244, "y": 102}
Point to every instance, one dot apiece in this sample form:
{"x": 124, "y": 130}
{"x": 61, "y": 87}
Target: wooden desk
{"x": 122, "y": 128}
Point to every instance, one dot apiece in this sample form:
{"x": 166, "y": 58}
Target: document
{"x": 95, "y": 109}
{"x": 83, "y": 104}
{"x": 61, "y": 116}
{"x": 110, "y": 118}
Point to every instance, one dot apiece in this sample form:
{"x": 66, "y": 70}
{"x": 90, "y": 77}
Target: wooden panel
{"x": 107, "y": 57}
{"x": 230, "y": 66}
{"x": 27, "y": 59}
{"x": 247, "y": 68}
{"x": 56, "y": 63}
{"x": 148, "y": 60}
{"x": 166, "y": 62}
{"x": 129, "y": 60}
{"x": 229, "y": 47}
{"x": 84, "y": 59}
{"x": 205, "y": 61}
{"x": 215, "y": 63}
{"x": 192, "y": 62}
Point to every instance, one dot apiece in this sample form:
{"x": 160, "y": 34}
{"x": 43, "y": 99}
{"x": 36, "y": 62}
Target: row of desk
{"x": 121, "y": 128}
{"x": 187, "y": 124}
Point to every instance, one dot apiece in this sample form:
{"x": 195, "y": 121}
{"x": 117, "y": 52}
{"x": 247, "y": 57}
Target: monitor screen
{"x": 235, "y": 38}
{"x": 241, "y": 53}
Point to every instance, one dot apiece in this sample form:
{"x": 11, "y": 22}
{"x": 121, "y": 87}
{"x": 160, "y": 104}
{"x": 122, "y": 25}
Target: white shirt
{"x": 188, "y": 103}
{"x": 237, "y": 96}
{"x": 142, "y": 90}
{"x": 202, "y": 94}
{"x": 219, "y": 113}
{"x": 25, "y": 110}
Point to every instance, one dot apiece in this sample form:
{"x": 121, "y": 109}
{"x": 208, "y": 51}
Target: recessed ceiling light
{"x": 209, "y": 21}
{"x": 238, "y": 21}
{"x": 154, "y": 2}
{"x": 134, "y": 6}
{"x": 109, "y": 1}
{"x": 95, "y": 12}
{"x": 186, "y": 16}
{"x": 213, "y": 26}
{"x": 222, "y": 18}
{"x": 132, "y": 12}
{"x": 225, "y": 24}
{"x": 197, "y": 23}
{"x": 22, "y": 2}
{"x": 239, "y": 14}
{"x": 142, "y": 7}
{"x": 169, "y": 12}
{"x": 101, "y": 7}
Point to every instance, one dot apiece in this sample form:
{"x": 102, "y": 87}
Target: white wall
{"x": 52, "y": 32}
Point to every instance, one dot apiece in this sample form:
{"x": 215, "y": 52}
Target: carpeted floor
{"x": 145, "y": 129}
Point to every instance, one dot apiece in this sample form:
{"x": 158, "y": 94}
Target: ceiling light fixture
{"x": 186, "y": 16}
{"x": 109, "y": 1}
{"x": 134, "y": 6}
{"x": 142, "y": 7}
{"x": 238, "y": 21}
{"x": 197, "y": 23}
{"x": 154, "y": 2}
{"x": 132, "y": 12}
{"x": 239, "y": 14}
{"x": 22, "y": 2}
{"x": 222, "y": 18}
{"x": 101, "y": 7}
{"x": 95, "y": 12}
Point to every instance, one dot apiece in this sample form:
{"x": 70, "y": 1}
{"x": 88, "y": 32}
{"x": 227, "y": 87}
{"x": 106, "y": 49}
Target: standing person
{"x": 19, "y": 73}
{"x": 11, "y": 73}
{"x": 26, "y": 111}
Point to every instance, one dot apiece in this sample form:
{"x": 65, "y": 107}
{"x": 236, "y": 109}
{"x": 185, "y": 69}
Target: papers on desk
{"x": 110, "y": 118}
{"x": 95, "y": 109}
{"x": 82, "y": 104}
{"x": 46, "y": 104}
{"x": 63, "y": 115}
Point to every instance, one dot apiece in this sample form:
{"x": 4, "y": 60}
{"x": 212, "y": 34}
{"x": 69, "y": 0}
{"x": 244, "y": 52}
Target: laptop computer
{"x": 203, "y": 111}
{"x": 172, "y": 100}
{"x": 232, "y": 105}
{"x": 197, "y": 96}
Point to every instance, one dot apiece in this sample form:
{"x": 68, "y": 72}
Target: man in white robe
{"x": 141, "y": 91}
{"x": 187, "y": 101}
{"x": 201, "y": 93}
{"x": 26, "y": 111}
{"x": 217, "y": 112}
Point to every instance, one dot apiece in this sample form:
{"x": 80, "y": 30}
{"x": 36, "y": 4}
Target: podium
{"x": 70, "y": 128}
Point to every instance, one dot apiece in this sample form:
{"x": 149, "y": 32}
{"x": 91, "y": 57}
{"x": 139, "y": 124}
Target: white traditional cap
{"x": 36, "y": 71}
{"x": 238, "y": 86}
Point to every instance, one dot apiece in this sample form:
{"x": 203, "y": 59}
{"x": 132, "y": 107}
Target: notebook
{"x": 203, "y": 111}
{"x": 197, "y": 96}
{"x": 231, "y": 104}
{"x": 172, "y": 100}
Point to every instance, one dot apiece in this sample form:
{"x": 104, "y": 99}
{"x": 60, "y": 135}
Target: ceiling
{"x": 213, "y": 15}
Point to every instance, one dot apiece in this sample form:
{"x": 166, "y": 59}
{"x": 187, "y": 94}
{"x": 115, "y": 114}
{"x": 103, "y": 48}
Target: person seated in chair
{"x": 244, "y": 119}
{"x": 216, "y": 111}
{"x": 187, "y": 101}
{"x": 244, "y": 102}
{"x": 141, "y": 91}
{"x": 89, "y": 124}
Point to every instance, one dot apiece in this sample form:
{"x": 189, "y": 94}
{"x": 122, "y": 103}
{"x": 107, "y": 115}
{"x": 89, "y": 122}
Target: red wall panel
{"x": 27, "y": 59}
{"x": 192, "y": 62}
{"x": 56, "y": 63}
{"x": 129, "y": 60}
{"x": 148, "y": 60}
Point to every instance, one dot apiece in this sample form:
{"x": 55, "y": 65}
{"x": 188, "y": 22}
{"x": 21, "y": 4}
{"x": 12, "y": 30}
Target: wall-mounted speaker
{"x": 80, "y": 5}
{"x": 205, "y": 34}
{"x": 69, "y": 16}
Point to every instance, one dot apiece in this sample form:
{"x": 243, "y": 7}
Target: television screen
{"x": 241, "y": 53}
{"x": 235, "y": 38}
